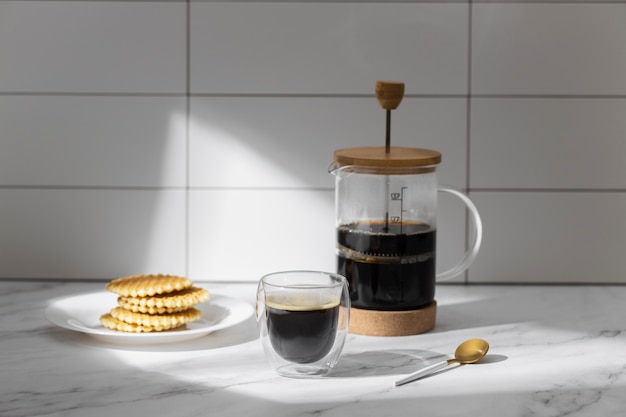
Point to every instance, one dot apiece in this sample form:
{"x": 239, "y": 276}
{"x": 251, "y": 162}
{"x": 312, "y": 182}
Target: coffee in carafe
{"x": 391, "y": 267}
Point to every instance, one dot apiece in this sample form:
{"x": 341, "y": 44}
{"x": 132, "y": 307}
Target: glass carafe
{"x": 386, "y": 223}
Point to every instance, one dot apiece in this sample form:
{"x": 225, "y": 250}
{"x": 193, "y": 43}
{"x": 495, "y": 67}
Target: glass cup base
{"x": 302, "y": 371}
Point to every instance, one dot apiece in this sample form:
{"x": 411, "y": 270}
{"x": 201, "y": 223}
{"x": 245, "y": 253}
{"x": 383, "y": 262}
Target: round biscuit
{"x": 148, "y": 310}
{"x": 166, "y": 321}
{"x": 110, "y": 322}
{"x": 165, "y": 303}
{"x": 147, "y": 285}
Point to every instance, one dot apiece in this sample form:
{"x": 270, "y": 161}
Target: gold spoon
{"x": 470, "y": 351}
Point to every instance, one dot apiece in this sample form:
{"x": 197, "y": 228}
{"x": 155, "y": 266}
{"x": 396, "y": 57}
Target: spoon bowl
{"x": 470, "y": 351}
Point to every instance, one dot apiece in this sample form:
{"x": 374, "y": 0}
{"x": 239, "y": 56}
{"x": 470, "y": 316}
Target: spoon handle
{"x": 422, "y": 373}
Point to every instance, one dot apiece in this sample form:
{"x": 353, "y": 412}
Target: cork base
{"x": 392, "y": 323}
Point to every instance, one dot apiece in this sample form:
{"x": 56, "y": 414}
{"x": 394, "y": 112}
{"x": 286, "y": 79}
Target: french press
{"x": 385, "y": 213}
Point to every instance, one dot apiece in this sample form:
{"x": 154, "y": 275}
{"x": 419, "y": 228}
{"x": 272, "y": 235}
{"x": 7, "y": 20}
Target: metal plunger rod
{"x": 388, "y": 133}
{"x": 389, "y": 95}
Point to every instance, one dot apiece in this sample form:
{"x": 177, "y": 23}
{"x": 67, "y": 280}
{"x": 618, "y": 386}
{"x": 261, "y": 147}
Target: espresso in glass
{"x": 302, "y": 330}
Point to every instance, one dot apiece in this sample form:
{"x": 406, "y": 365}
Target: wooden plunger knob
{"x": 389, "y": 94}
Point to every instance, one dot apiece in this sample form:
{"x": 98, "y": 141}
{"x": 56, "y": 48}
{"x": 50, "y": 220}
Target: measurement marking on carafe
{"x": 398, "y": 197}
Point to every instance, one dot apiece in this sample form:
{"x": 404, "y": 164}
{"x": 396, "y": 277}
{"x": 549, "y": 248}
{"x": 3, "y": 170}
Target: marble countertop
{"x": 555, "y": 351}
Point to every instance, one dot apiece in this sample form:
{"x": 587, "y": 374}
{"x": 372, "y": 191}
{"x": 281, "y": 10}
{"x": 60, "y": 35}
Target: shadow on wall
{"x": 94, "y": 189}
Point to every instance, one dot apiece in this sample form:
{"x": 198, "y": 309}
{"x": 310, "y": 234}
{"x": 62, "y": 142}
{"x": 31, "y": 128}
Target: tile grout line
{"x": 488, "y": 2}
{"x": 187, "y": 222}
{"x": 564, "y": 190}
{"x": 189, "y": 94}
{"x": 468, "y": 130}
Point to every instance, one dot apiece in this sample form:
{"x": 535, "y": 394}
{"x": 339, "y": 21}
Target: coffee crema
{"x": 302, "y": 328}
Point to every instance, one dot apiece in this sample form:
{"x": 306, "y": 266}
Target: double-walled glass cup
{"x": 303, "y": 321}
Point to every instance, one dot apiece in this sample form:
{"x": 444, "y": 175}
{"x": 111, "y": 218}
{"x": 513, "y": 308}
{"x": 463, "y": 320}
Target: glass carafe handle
{"x": 471, "y": 253}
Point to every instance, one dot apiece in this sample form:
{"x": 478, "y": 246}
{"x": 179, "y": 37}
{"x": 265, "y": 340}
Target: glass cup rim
{"x": 340, "y": 279}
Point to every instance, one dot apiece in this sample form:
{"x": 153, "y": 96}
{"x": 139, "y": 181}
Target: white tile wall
{"x": 193, "y": 137}
{"x": 548, "y": 49}
{"x": 519, "y": 139}
{"x": 289, "y": 141}
{"x": 243, "y": 234}
{"x": 327, "y": 48}
{"x": 83, "y": 140}
{"x": 91, "y": 233}
{"x": 553, "y": 237}
{"x": 92, "y": 46}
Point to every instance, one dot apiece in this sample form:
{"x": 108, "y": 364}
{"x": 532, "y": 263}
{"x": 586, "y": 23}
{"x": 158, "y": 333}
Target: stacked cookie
{"x": 153, "y": 303}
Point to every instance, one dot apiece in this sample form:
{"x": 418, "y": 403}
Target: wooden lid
{"x": 376, "y": 157}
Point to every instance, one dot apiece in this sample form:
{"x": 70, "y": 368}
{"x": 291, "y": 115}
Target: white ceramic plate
{"x": 82, "y": 313}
